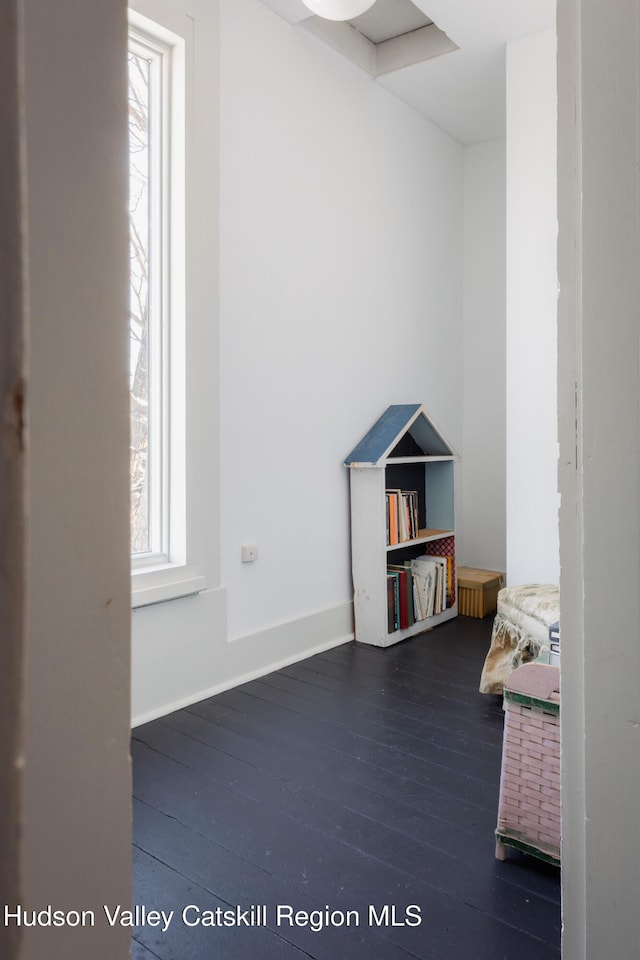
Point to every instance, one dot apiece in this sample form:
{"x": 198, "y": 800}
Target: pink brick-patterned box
{"x": 529, "y": 803}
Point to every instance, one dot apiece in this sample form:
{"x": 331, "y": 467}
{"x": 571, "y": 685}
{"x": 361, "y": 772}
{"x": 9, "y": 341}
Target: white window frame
{"x": 163, "y": 573}
{"x": 159, "y": 301}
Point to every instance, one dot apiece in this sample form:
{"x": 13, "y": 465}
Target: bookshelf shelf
{"x": 424, "y": 536}
{"x": 402, "y": 482}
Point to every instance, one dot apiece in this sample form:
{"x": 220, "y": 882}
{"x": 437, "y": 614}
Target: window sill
{"x": 169, "y": 582}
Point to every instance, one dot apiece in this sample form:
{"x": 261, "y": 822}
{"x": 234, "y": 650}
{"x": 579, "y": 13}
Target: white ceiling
{"x": 463, "y": 91}
{"x": 390, "y": 19}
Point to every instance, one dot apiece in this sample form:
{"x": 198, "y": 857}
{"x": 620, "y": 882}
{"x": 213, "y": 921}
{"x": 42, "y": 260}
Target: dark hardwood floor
{"x": 356, "y": 779}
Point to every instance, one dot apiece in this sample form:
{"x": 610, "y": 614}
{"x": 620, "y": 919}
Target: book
{"x": 402, "y": 515}
{"x": 416, "y": 600}
{"x": 424, "y": 573}
{"x": 397, "y": 517}
{"x": 554, "y": 643}
{"x": 445, "y": 547}
{"x": 444, "y": 573}
{"x": 392, "y": 606}
{"x": 405, "y": 587}
{"x": 392, "y": 498}
{"x": 410, "y": 514}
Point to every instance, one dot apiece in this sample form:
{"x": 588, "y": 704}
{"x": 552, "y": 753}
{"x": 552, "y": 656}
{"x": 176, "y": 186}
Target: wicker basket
{"x": 478, "y": 591}
{"x": 529, "y": 804}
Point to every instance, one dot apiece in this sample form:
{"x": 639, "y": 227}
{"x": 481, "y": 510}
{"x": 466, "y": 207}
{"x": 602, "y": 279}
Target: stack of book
{"x": 418, "y": 589}
{"x": 402, "y": 516}
{"x": 554, "y": 644}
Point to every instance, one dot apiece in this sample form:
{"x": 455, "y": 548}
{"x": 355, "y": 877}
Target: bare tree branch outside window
{"x": 139, "y": 236}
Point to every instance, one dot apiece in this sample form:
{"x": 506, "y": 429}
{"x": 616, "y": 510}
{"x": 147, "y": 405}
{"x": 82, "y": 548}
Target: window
{"x": 157, "y": 314}
{"x": 150, "y": 304}
{"x": 170, "y": 215}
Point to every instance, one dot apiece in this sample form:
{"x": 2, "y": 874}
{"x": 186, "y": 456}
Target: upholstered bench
{"x": 520, "y": 631}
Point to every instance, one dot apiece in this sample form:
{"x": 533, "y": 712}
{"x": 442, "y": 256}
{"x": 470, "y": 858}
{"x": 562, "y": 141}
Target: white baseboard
{"x": 288, "y": 642}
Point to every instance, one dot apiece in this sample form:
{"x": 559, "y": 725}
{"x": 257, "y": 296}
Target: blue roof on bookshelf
{"x": 397, "y": 421}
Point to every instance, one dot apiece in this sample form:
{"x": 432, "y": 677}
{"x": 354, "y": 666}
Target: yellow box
{"x": 478, "y": 591}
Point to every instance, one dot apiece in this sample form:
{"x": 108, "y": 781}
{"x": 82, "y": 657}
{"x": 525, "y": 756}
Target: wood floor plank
{"x": 423, "y": 852}
{"x": 325, "y": 771}
{"x": 302, "y": 773}
{"x": 297, "y": 810}
{"x": 346, "y": 708}
{"x": 165, "y": 888}
{"x": 459, "y": 658}
{"x": 451, "y": 775}
{"x": 357, "y": 714}
{"x": 359, "y": 777}
{"x": 434, "y": 709}
{"x": 468, "y": 837}
{"x": 361, "y": 717}
{"x": 140, "y": 952}
{"x": 292, "y": 712}
{"x": 238, "y": 882}
{"x": 301, "y": 855}
{"x": 352, "y": 679}
{"x": 332, "y": 677}
{"x": 309, "y": 700}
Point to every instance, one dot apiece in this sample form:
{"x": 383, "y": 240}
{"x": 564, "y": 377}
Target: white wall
{"x": 483, "y": 521}
{"x": 179, "y": 647}
{"x": 532, "y": 453}
{"x": 341, "y": 242}
{"x": 341, "y": 257}
{"x": 75, "y": 826}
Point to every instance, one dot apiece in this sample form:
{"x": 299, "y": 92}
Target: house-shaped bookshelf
{"x": 402, "y": 527}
